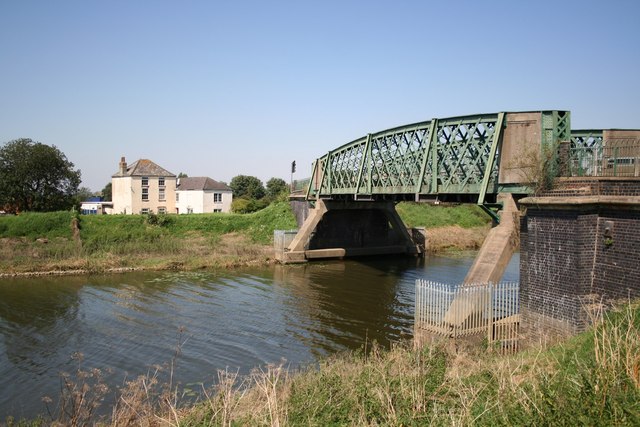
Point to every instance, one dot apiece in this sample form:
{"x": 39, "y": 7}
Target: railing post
{"x": 490, "y": 315}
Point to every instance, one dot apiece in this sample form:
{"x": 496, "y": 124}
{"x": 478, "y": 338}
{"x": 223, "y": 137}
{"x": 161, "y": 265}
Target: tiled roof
{"x": 144, "y": 167}
{"x": 201, "y": 183}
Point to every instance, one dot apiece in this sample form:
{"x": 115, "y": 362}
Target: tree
{"x": 248, "y": 187}
{"x": 84, "y": 193}
{"x": 276, "y": 186}
{"x": 244, "y": 206}
{"x": 106, "y": 192}
{"x": 36, "y": 177}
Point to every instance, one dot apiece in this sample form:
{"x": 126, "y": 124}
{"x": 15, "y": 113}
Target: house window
{"x": 145, "y": 194}
{"x": 161, "y": 193}
{"x": 161, "y": 181}
{"x": 217, "y": 210}
{"x": 189, "y": 210}
{"x": 162, "y": 210}
{"x": 177, "y": 197}
{"x": 144, "y": 211}
{"x": 217, "y": 197}
{"x": 145, "y": 181}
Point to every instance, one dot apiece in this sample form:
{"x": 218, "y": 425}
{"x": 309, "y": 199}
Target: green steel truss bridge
{"x": 467, "y": 158}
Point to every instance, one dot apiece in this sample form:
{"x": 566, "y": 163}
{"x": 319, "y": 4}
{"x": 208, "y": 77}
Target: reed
{"x": 589, "y": 379}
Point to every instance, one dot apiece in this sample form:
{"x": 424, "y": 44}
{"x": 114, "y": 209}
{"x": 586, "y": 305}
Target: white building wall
{"x": 190, "y": 201}
{"x": 126, "y": 193}
{"x": 225, "y": 205}
{"x": 202, "y": 201}
{"x": 154, "y": 202}
{"x": 208, "y": 201}
{"x": 121, "y": 195}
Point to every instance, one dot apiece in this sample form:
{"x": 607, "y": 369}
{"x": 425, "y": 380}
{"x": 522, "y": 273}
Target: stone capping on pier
{"x": 581, "y": 202}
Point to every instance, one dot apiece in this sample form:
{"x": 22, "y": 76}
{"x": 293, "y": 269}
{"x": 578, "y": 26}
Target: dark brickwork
{"x": 552, "y": 273}
{"x": 616, "y": 270}
{"x": 568, "y": 262}
{"x": 595, "y": 187}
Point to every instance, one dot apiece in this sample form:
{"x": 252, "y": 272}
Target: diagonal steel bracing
{"x": 438, "y": 157}
{"x": 431, "y": 157}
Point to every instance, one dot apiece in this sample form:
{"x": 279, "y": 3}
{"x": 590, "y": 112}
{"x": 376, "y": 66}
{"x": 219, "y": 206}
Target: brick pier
{"x": 580, "y": 250}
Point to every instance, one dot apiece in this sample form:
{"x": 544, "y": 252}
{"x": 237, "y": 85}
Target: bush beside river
{"x": 46, "y": 242}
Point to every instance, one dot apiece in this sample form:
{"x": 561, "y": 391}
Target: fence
{"x": 300, "y": 185}
{"x": 616, "y": 159}
{"x": 462, "y": 310}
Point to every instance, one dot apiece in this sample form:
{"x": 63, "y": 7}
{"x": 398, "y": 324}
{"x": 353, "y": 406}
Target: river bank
{"x": 589, "y": 379}
{"x": 46, "y": 244}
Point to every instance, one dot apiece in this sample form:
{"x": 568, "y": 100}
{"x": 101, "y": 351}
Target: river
{"x": 124, "y": 324}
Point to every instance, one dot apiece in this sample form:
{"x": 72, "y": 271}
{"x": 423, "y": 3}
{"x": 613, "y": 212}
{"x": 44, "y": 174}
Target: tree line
{"x": 36, "y": 177}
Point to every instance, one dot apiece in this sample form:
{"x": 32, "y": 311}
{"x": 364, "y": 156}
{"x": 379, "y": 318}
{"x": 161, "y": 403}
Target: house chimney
{"x": 123, "y": 166}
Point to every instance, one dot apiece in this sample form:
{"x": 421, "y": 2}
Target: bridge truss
{"x": 446, "y": 158}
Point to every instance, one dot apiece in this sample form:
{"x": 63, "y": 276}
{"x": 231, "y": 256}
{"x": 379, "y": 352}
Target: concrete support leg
{"x": 295, "y": 252}
{"x": 499, "y": 245}
{"x": 335, "y": 229}
{"x": 490, "y": 263}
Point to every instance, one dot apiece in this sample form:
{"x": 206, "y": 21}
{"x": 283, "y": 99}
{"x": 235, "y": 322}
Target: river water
{"x": 124, "y": 324}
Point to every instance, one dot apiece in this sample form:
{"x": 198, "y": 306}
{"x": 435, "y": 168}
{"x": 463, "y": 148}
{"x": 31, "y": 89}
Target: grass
{"x": 433, "y": 216}
{"x": 590, "y": 379}
{"x": 32, "y": 225}
{"x": 37, "y": 242}
{"x": 43, "y": 241}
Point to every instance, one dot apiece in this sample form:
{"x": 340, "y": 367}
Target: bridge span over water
{"x": 466, "y": 158}
{"x": 472, "y": 158}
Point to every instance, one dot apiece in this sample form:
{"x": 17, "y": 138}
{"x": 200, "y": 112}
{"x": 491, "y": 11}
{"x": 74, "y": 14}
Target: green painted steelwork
{"x": 586, "y": 138}
{"x": 585, "y": 153}
{"x": 439, "y": 157}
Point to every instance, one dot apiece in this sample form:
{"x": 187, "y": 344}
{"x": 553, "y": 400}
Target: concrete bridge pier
{"x": 337, "y": 229}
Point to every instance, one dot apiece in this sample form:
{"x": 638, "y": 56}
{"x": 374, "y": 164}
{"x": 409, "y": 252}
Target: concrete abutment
{"x": 337, "y": 229}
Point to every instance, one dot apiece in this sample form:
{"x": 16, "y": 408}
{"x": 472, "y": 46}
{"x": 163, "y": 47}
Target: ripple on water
{"x": 128, "y": 324}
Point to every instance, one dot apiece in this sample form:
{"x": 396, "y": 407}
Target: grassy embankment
{"x": 42, "y": 242}
{"x": 590, "y": 379}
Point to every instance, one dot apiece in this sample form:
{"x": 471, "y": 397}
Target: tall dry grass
{"x": 590, "y": 379}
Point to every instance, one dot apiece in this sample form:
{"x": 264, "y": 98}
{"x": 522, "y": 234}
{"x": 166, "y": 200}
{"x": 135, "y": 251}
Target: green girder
{"x": 402, "y": 160}
{"x": 456, "y": 155}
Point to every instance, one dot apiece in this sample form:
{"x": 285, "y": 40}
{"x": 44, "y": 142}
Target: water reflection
{"x": 237, "y": 319}
{"x": 29, "y": 316}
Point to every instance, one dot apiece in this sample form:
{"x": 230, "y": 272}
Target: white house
{"x": 202, "y": 195}
{"x": 143, "y": 187}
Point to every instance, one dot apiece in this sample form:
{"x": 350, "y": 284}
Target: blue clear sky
{"x": 221, "y": 88}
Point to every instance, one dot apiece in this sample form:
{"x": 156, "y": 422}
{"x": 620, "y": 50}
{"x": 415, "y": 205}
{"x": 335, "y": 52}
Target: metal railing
{"x": 300, "y": 185}
{"x": 614, "y": 159}
{"x": 469, "y": 309}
